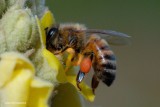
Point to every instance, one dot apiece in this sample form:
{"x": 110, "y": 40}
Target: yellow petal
{"x": 6, "y": 71}
{"x": 48, "y": 19}
{"x": 41, "y": 33}
{"x": 9, "y": 61}
{"x": 67, "y": 96}
{"x": 39, "y": 93}
{"x": 21, "y": 88}
{"x": 55, "y": 64}
{"x": 86, "y": 91}
{"x": 15, "y": 90}
{"x": 15, "y": 93}
{"x": 71, "y": 74}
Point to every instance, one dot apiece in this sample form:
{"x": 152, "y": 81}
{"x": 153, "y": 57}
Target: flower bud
{"x": 19, "y": 29}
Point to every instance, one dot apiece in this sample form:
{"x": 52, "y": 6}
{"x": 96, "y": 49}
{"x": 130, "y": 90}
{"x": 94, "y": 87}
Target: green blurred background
{"x": 138, "y": 77}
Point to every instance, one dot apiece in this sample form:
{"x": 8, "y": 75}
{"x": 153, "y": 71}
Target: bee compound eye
{"x": 51, "y": 33}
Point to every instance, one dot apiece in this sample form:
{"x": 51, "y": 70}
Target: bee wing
{"x": 112, "y": 37}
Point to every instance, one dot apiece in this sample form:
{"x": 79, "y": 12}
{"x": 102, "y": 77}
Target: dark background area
{"x": 138, "y": 77}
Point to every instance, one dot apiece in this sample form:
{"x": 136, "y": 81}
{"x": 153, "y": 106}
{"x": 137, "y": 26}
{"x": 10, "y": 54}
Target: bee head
{"x": 53, "y": 42}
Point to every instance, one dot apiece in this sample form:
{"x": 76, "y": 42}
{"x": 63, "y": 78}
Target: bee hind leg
{"x": 85, "y": 67}
{"x": 79, "y": 78}
{"x": 95, "y": 82}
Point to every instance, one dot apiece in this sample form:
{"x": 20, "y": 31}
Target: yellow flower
{"x": 29, "y": 82}
{"x": 46, "y": 21}
{"x": 58, "y": 70}
{"x": 18, "y": 85}
{"x": 51, "y": 68}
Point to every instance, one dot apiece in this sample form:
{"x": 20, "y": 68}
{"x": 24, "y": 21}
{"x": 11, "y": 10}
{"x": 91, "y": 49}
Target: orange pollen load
{"x": 85, "y": 65}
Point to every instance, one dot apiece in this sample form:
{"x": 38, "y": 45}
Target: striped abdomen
{"x": 104, "y": 63}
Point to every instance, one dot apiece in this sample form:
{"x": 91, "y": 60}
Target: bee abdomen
{"x": 108, "y": 72}
{"x": 109, "y": 65}
{"x": 106, "y": 62}
{"x": 108, "y": 76}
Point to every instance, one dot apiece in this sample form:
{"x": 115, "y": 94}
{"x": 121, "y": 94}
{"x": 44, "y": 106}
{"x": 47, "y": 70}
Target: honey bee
{"x": 88, "y": 49}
